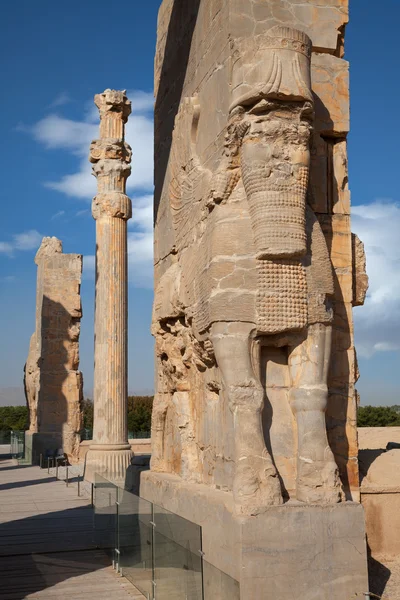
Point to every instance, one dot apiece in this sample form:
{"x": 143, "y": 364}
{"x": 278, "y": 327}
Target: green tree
{"x": 139, "y": 413}
{"x": 87, "y": 410}
{"x": 378, "y": 416}
{"x": 13, "y": 417}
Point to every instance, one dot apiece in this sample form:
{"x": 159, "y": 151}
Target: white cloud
{"x": 79, "y": 185}
{"x": 141, "y": 101}
{"x": 56, "y": 132}
{"x": 6, "y": 248}
{"x": 142, "y": 213}
{"x": 140, "y": 246}
{"x": 377, "y": 323}
{"x": 27, "y": 240}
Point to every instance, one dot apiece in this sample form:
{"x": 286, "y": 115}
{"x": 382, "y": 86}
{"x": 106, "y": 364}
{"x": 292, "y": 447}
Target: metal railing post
{"x": 79, "y": 485}
{"x": 66, "y": 477}
{"x": 92, "y": 495}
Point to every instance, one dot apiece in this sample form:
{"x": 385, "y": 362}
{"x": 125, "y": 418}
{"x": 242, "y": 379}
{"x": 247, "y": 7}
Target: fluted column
{"x": 110, "y": 452}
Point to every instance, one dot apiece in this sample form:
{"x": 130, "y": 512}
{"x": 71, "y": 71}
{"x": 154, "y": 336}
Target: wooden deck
{"x": 46, "y": 542}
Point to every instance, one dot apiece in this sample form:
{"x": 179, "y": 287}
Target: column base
{"x": 110, "y": 461}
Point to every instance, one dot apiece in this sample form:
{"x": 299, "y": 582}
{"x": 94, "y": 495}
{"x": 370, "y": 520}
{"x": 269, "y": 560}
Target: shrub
{"x": 378, "y": 416}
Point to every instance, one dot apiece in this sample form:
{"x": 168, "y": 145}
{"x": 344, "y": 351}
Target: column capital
{"x": 111, "y": 156}
{"x": 113, "y": 101}
{"x": 112, "y": 204}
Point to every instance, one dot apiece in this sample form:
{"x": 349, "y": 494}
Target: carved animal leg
{"x": 256, "y": 485}
{"x": 160, "y": 406}
{"x": 317, "y": 472}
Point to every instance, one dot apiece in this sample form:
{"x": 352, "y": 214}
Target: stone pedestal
{"x": 288, "y": 552}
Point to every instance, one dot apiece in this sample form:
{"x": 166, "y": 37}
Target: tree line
{"x": 139, "y": 415}
{"x": 140, "y": 407}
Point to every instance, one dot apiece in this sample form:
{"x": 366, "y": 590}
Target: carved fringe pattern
{"x": 286, "y": 38}
{"x": 277, "y": 211}
{"x": 282, "y": 296}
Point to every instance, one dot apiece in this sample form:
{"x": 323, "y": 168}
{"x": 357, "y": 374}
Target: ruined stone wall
{"x": 53, "y": 382}
{"x": 195, "y": 49}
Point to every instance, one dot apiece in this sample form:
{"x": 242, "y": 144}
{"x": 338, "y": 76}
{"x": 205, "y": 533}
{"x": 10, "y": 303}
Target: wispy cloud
{"x": 8, "y": 278}
{"x": 27, "y": 240}
{"x": 80, "y": 213}
{"x": 377, "y": 323}
{"x": 57, "y": 215}
{"x": 60, "y": 100}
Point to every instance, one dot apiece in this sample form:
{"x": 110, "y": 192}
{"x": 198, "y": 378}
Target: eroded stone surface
{"x": 53, "y": 382}
{"x": 253, "y": 252}
{"x": 360, "y": 282}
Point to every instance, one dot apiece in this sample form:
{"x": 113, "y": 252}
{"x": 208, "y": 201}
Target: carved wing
{"x": 189, "y": 180}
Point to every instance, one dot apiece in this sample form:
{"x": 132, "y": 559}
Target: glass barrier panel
{"x": 17, "y": 443}
{"x": 177, "y": 557}
{"x": 135, "y": 534}
{"x": 218, "y": 585}
{"x": 105, "y": 513}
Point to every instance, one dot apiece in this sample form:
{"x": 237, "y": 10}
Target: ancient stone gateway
{"x": 256, "y": 271}
{"x": 110, "y": 453}
{"x": 53, "y": 382}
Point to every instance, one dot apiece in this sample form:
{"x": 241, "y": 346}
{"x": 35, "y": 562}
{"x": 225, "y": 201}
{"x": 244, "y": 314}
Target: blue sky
{"x": 54, "y": 58}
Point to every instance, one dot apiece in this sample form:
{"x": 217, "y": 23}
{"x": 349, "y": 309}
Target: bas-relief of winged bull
{"x": 252, "y": 268}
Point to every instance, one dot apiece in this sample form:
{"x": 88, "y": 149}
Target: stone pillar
{"x": 110, "y": 453}
{"x": 256, "y": 271}
{"x": 53, "y": 383}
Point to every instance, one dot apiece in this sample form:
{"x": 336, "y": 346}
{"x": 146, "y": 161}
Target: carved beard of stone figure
{"x": 275, "y": 164}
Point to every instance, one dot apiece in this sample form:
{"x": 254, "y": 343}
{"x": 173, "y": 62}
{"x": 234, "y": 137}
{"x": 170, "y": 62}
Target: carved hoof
{"x": 318, "y": 482}
{"x": 256, "y": 485}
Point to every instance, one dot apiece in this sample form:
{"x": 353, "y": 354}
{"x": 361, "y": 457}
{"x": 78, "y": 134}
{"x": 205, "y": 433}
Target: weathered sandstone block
{"x": 53, "y": 382}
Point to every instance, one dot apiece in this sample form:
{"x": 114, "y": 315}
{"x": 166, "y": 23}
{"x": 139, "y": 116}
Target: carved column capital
{"x": 113, "y": 204}
{"x": 113, "y": 101}
{"x": 111, "y": 156}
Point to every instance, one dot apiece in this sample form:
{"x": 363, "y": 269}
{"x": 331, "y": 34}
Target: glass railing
{"x": 17, "y": 444}
{"x": 157, "y": 550}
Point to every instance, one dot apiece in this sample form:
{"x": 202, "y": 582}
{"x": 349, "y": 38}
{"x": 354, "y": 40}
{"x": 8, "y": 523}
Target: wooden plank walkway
{"x": 46, "y": 542}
